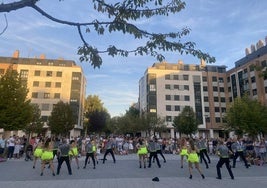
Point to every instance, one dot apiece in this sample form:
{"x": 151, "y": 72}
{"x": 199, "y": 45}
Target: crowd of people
{"x": 192, "y": 151}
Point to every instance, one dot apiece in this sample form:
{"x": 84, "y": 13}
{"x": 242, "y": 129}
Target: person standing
{"x": 152, "y": 148}
{"x": 201, "y": 144}
{"x": 73, "y": 153}
{"x": 159, "y": 150}
{"x": 193, "y": 159}
{"x": 47, "y": 156}
{"x": 223, "y": 152}
{"x": 183, "y": 151}
{"x": 90, "y": 152}
{"x": 142, "y": 152}
{"x": 10, "y": 147}
{"x": 38, "y": 150}
{"x": 63, "y": 153}
{"x": 110, "y": 145}
{"x": 238, "y": 150}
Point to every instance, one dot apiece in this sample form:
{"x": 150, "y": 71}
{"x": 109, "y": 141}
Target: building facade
{"x": 165, "y": 89}
{"x": 49, "y": 81}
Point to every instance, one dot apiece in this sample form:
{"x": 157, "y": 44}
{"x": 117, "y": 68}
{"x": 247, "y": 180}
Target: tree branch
{"x": 5, "y": 26}
{"x": 17, "y": 5}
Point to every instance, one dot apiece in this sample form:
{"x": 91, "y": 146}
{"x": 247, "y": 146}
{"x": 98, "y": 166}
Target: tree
{"x": 186, "y": 122}
{"x": 15, "y": 108}
{"x": 98, "y": 121}
{"x": 121, "y": 17}
{"x": 36, "y": 124}
{"x": 153, "y": 123}
{"x": 246, "y": 116}
{"x": 95, "y": 113}
{"x": 61, "y": 120}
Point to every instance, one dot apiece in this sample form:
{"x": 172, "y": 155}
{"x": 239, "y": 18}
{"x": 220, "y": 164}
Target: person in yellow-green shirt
{"x": 47, "y": 156}
{"x": 73, "y": 153}
{"x": 193, "y": 159}
{"x": 142, "y": 152}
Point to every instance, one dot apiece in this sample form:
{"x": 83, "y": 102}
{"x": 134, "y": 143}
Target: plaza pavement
{"x": 125, "y": 173}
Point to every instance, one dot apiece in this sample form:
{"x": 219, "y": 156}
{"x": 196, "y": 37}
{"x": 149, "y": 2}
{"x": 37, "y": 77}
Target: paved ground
{"x": 126, "y": 174}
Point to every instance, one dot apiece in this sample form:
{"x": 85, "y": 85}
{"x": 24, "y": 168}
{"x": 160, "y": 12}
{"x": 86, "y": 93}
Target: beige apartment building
{"x": 165, "y": 89}
{"x": 49, "y": 81}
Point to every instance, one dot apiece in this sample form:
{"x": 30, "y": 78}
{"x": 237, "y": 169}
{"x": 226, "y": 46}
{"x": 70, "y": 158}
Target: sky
{"x": 222, "y": 28}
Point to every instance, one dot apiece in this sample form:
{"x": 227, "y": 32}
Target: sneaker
{"x": 54, "y": 174}
{"x": 41, "y": 174}
{"x": 84, "y": 167}
{"x": 190, "y": 177}
{"x": 219, "y": 178}
{"x": 203, "y": 177}
{"x": 94, "y": 167}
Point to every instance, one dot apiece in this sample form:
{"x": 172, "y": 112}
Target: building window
{"x": 205, "y": 88}
{"x": 215, "y": 88}
{"x": 35, "y": 84}
{"x": 218, "y": 120}
{"x": 168, "y": 118}
{"x": 58, "y": 85}
{"x": 152, "y": 87}
{"x": 168, "y": 108}
{"x": 45, "y": 107}
{"x": 229, "y": 89}
{"x": 214, "y": 79}
{"x": 253, "y": 79}
{"x": 223, "y": 110}
{"x": 24, "y": 73}
{"x": 217, "y": 109}
{"x": 207, "y": 109}
{"x": 221, "y": 89}
{"x": 34, "y": 95}
{"x": 216, "y": 99}
{"x": 152, "y": 110}
{"x": 221, "y": 80}
{"x": 186, "y": 87}
{"x": 222, "y": 99}
{"x": 251, "y": 68}
{"x": 265, "y": 89}
{"x": 59, "y": 74}
{"x": 228, "y": 79}
{"x": 37, "y": 73}
{"x": 177, "y": 108}
{"x": 167, "y": 77}
{"x": 50, "y": 63}
{"x": 176, "y": 87}
{"x": 175, "y": 77}
{"x": 204, "y": 78}
{"x": 75, "y": 78}
{"x": 47, "y": 84}
{"x": 167, "y": 86}
{"x": 57, "y": 95}
{"x": 48, "y": 73}
{"x": 254, "y": 92}
{"x": 187, "y": 98}
{"x": 185, "y": 77}
{"x": 176, "y": 97}
{"x": 46, "y": 95}
{"x": 206, "y": 99}
{"x": 167, "y": 97}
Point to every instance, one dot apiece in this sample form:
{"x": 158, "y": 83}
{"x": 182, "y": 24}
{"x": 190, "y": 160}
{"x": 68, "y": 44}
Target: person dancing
{"x": 193, "y": 159}
{"x": 142, "y": 152}
{"x": 47, "y": 157}
{"x": 183, "y": 151}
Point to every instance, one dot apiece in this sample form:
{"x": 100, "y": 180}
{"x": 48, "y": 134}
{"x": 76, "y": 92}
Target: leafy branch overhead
{"x": 120, "y": 18}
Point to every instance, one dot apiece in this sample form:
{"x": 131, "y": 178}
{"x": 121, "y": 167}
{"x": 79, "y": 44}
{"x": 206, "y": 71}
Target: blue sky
{"x": 223, "y": 28}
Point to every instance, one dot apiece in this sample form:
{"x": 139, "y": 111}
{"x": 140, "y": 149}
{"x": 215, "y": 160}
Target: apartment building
{"x": 165, "y": 89}
{"x": 246, "y": 77}
{"x": 49, "y": 81}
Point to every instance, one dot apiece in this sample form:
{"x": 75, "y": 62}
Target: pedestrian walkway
{"x": 126, "y": 174}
